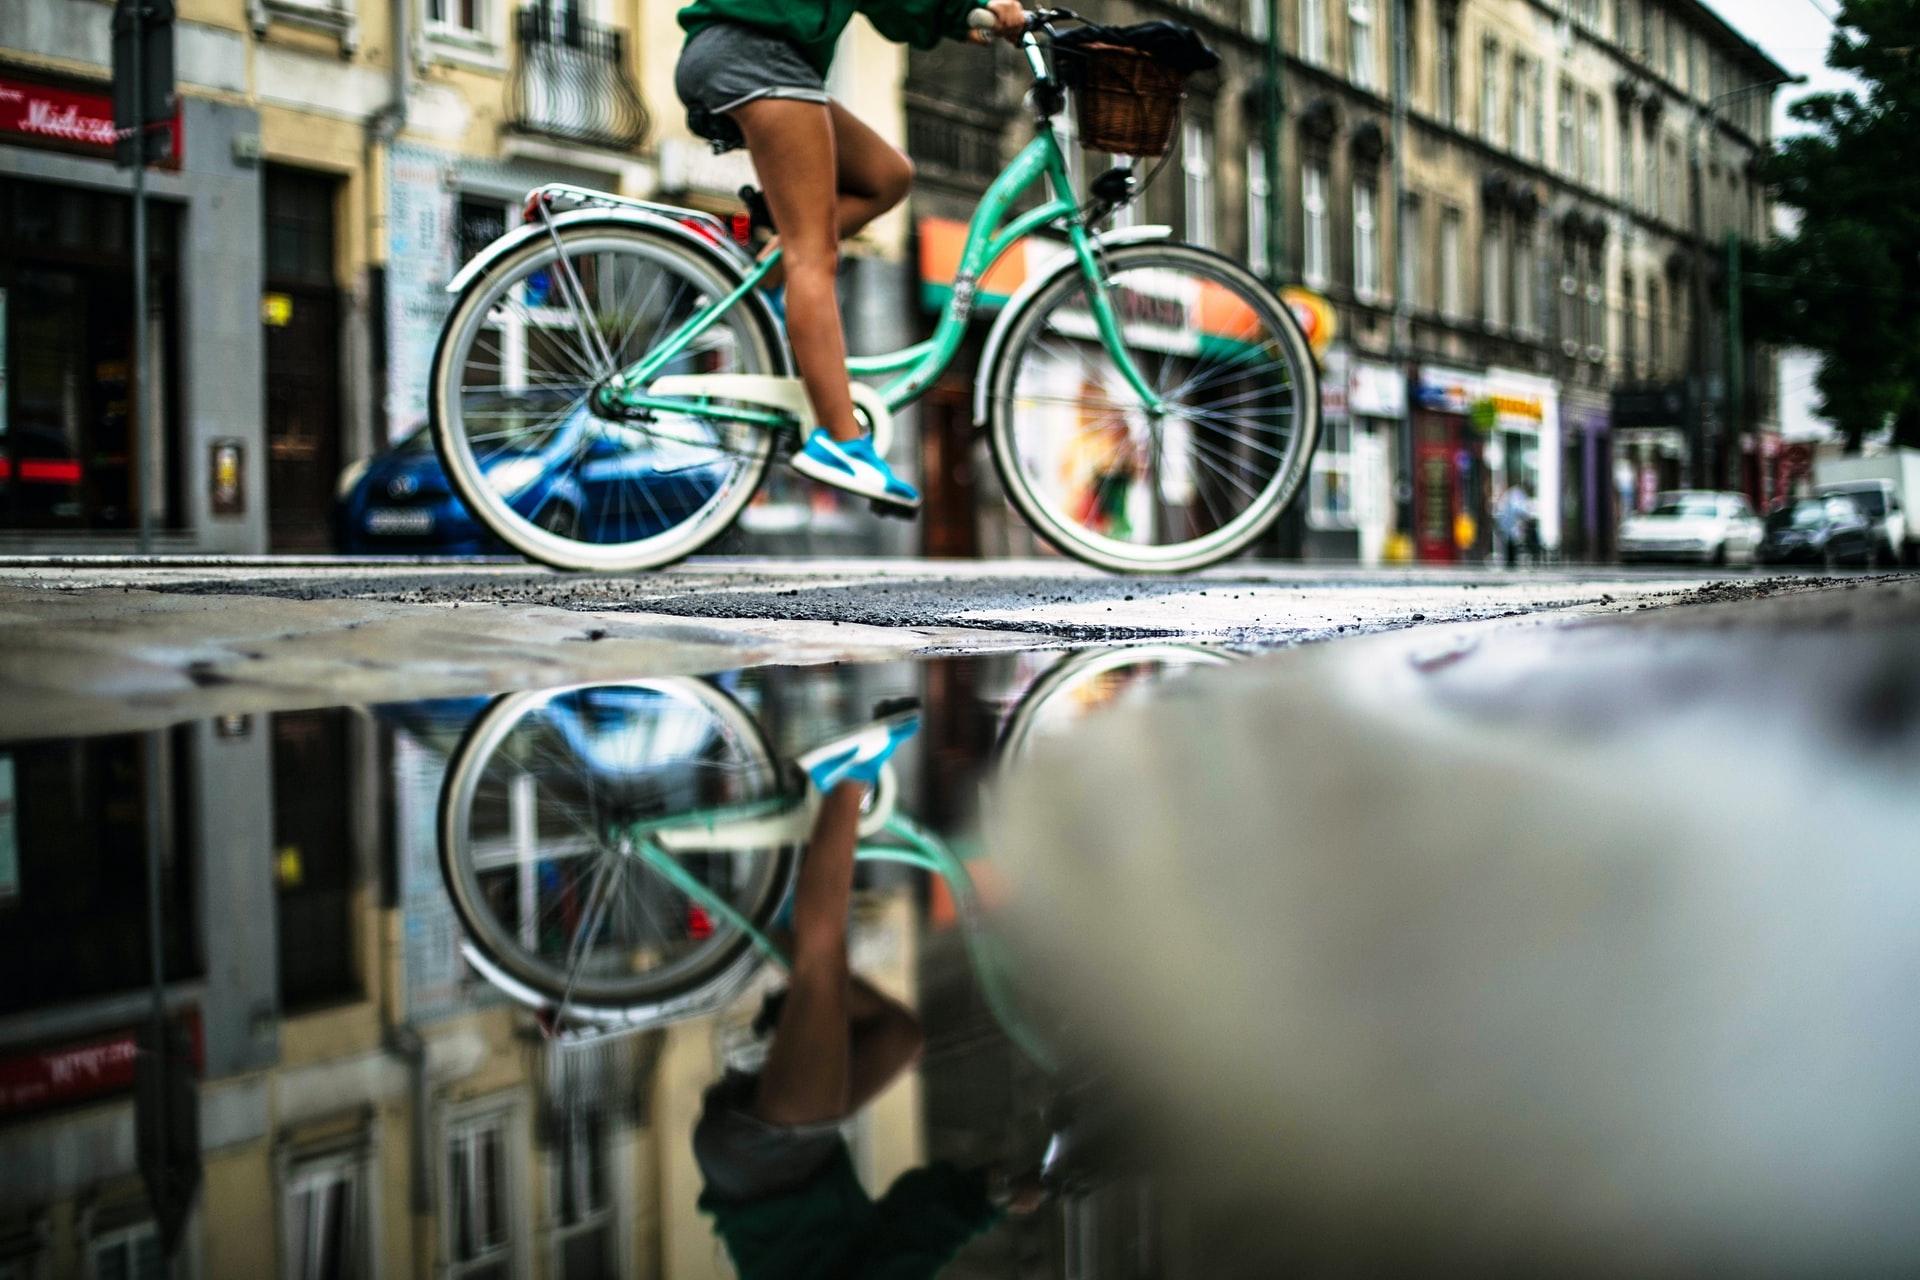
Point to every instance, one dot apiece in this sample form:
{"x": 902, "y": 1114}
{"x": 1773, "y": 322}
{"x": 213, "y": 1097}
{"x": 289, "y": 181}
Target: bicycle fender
{"x": 732, "y": 264}
{"x": 997, "y": 336}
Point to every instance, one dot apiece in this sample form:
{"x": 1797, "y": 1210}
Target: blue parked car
{"x": 399, "y": 502}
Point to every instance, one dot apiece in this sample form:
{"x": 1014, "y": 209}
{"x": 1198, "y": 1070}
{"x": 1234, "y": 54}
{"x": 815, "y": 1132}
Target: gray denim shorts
{"x": 726, "y": 65}
{"x": 743, "y": 1158}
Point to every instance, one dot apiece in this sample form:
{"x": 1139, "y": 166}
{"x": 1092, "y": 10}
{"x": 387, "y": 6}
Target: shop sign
{"x": 1315, "y": 315}
{"x": 70, "y": 119}
{"x": 78, "y": 1072}
{"x": 1445, "y": 390}
{"x": 1377, "y": 390}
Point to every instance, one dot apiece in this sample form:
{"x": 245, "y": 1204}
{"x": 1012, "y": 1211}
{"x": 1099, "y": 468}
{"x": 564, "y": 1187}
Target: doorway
{"x": 300, "y": 309}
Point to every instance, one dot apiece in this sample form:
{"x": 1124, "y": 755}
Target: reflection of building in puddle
{"x": 366, "y": 1105}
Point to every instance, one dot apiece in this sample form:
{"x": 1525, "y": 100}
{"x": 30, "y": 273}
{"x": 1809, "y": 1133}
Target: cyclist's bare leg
{"x": 792, "y": 144}
{"x": 872, "y": 177}
{"x": 807, "y": 1076}
{"x": 839, "y": 1040}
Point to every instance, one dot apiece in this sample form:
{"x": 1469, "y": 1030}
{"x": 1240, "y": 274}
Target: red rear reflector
{"x": 702, "y": 229}
{"x": 699, "y": 924}
{"x": 742, "y": 228}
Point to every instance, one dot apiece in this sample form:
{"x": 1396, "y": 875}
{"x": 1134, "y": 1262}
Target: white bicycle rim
{"x": 1233, "y": 536}
{"x": 493, "y": 509}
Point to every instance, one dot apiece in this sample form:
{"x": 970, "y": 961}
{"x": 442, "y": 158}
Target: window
{"x": 1629, "y": 339}
{"x": 1316, "y": 247}
{"x": 1590, "y": 141}
{"x": 1525, "y": 285}
{"x": 1330, "y": 488}
{"x": 1452, "y": 297}
{"x": 1447, "y": 68}
{"x": 458, "y": 18}
{"x": 1517, "y": 127}
{"x": 1670, "y": 182}
{"x": 1570, "y": 312}
{"x": 1258, "y": 189}
{"x": 1493, "y": 275}
{"x": 1596, "y": 292}
{"x": 1490, "y": 90}
{"x": 1362, "y": 56}
{"x": 130, "y": 1253}
{"x": 480, "y": 220}
{"x": 1313, "y": 30}
{"x": 1624, "y": 29}
{"x": 1196, "y": 163}
{"x": 1626, "y": 156}
{"x": 1675, "y": 35}
{"x": 1407, "y": 253}
{"x": 1536, "y": 110}
{"x": 325, "y": 1224}
{"x": 1366, "y": 242}
{"x": 1656, "y": 328}
{"x": 582, "y": 1208}
{"x": 1566, "y": 156}
{"x": 477, "y": 1209}
{"x": 1257, "y": 19}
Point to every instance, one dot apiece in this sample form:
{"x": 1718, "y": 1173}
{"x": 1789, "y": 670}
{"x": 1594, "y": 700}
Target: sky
{"x": 1795, "y": 34}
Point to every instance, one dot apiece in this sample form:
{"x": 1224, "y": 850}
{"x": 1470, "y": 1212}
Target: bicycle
{"x": 1151, "y": 405}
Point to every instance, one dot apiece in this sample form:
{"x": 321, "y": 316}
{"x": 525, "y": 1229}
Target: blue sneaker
{"x": 858, "y": 756}
{"x": 853, "y": 465}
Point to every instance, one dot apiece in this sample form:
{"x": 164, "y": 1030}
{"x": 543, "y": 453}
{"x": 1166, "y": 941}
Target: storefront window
{"x": 69, "y": 454}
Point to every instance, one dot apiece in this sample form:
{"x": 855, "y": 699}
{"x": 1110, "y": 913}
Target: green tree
{"x": 1846, "y": 283}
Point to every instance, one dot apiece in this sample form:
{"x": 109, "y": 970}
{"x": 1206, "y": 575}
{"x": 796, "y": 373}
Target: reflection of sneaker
{"x": 858, "y": 756}
{"x": 853, "y": 465}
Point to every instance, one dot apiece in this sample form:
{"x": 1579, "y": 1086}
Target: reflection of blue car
{"x": 399, "y": 501}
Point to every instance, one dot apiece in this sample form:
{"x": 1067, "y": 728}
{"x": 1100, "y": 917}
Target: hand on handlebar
{"x": 1004, "y": 18}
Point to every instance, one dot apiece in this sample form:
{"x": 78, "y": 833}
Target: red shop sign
{"x": 72, "y": 119}
{"x": 61, "y": 1074}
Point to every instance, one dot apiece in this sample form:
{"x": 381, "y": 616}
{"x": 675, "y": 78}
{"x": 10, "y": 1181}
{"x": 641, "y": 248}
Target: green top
{"x": 830, "y": 1229}
{"x": 814, "y": 26}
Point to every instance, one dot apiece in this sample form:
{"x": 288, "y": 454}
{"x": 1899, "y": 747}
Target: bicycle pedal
{"x": 893, "y": 510}
{"x": 894, "y": 707}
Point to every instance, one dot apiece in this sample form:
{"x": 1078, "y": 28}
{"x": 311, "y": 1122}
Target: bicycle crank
{"x": 787, "y": 395}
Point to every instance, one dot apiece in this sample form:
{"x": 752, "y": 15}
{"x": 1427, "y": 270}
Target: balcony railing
{"x": 571, "y": 81}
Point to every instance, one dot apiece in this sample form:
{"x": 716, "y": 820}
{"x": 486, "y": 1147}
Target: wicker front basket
{"x": 1127, "y": 103}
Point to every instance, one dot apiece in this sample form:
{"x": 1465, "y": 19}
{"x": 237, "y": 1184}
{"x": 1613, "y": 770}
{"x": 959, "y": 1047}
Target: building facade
{"x": 1520, "y": 212}
{"x": 320, "y": 194}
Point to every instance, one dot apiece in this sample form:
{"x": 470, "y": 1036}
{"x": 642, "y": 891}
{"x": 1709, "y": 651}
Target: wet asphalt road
{"x": 102, "y": 645}
{"x": 1246, "y": 604}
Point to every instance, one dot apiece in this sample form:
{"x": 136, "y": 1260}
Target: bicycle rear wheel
{"x": 544, "y": 808}
{"x": 517, "y": 419}
{"x": 1102, "y": 479}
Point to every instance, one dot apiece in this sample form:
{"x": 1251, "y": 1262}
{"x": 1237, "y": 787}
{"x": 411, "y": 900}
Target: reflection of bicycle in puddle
{"x": 618, "y": 854}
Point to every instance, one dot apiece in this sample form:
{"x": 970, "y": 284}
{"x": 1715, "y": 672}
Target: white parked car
{"x": 1693, "y": 524}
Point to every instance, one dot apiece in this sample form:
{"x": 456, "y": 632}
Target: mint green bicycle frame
{"x": 922, "y": 363}
{"x": 912, "y": 845}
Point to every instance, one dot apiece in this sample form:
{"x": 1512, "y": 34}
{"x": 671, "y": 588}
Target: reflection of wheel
{"x": 1103, "y": 480}
{"x": 528, "y": 346}
{"x": 544, "y": 828}
{"x": 1083, "y": 682}
{"x": 1720, "y": 556}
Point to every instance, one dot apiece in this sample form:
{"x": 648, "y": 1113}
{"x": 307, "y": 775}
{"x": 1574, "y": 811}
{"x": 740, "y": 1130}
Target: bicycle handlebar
{"x": 983, "y": 19}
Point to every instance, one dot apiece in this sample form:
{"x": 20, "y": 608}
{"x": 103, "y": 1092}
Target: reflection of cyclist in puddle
{"x": 779, "y": 1182}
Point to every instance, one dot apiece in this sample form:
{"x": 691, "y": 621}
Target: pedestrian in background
{"x": 1513, "y": 517}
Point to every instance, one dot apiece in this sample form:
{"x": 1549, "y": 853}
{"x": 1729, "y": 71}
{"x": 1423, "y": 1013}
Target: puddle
{"x": 445, "y": 981}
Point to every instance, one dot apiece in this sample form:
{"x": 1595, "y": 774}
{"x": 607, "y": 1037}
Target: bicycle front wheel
{"x": 1112, "y": 484}
{"x": 545, "y": 818}
{"x": 521, "y": 429}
